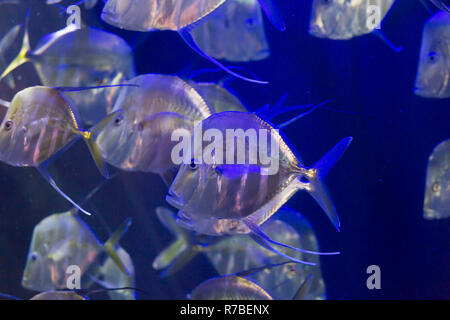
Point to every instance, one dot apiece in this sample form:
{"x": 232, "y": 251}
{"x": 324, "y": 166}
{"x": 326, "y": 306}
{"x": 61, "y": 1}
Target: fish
{"x": 138, "y": 137}
{"x": 437, "y": 187}
{"x": 346, "y": 19}
{"x": 234, "y": 32}
{"x": 229, "y": 288}
{"x": 233, "y": 254}
{"x": 38, "y": 126}
{"x": 111, "y": 276}
{"x": 58, "y": 295}
{"x": 61, "y": 240}
{"x": 85, "y": 57}
{"x": 343, "y": 19}
{"x": 5, "y": 44}
{"x": 432, "y": 80}
{"x": 150, "y": 15}
{"x": 218, "y": 199}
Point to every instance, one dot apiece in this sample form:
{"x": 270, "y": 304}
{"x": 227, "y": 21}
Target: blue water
{"x": 377, "y": 187}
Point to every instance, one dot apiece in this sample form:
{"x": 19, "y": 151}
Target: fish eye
{"x": 436, "y": 187}
{"x": 432, "y": 57}
{"x": 34, "y": 256}
{"x": 118, "y": 121}
{"x": 8, "y": 125}
{"x": 249, "y": 22}
{"x": 193, "y": 166}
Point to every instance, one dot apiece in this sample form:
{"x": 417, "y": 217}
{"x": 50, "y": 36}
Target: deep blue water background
{"x": 378, "y": 186}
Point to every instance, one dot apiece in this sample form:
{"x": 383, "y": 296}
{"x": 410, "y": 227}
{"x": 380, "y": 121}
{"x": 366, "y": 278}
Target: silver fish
{"x": 233, "y": 254}
{"x": 138, "y": 138}
{"x": 345, "y": 19}
{"x": 229, "y": 288}
{"x": 233, "y": 32}
{"x": 437, "y": 188}
{"x": 218, "y": 199}
{"x": 39, "y": 125}
{"x": 59, "y": 241}
{"x": 85, "y": 57}
{"x": 434, "y": 65}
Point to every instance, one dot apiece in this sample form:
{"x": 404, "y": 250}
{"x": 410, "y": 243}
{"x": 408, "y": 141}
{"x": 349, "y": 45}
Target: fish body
{"x": 345, "y": 19}
{"x": 38, "y": 124}
{"x": 139, "y": 137}
{"x": 437, "y": 187}
{"x": 433, "y": 73}
{"x": 59, "y": 241}
{"x": 218, "y": 199}
{"x": 146, "y": 15}
{"x": 234, "y": 32}
{"x": 85, "y": 57}
{"x": 62, "y": 240}
{"x": 229, "y": 288}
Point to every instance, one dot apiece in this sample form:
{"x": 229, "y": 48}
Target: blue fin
{"x": 266, "y": 245}
{"x": 187, "y": 37}
{"x": 383, "y": 38}
{"x": 259, "y": 233}
{"x": 45, "y": 174}
{"x": 316, "y": 186}
{"x": 273, "y": 14}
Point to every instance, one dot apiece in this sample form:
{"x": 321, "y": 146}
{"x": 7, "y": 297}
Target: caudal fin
{"x": 315, "y": 185}
{"x": 111, "y": 244}
{"x": 24, "y": 53}
{"x": 180, "y": 252}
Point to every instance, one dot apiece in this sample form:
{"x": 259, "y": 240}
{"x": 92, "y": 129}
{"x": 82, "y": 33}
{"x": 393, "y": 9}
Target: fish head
{"x": 437, "y": 189}
{"x": 36, "y": 275}
{"x": 434, "y": 64}
{"x": 113, "y": 134}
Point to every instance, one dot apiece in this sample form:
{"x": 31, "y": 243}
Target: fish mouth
{"x": 174, "y": 200}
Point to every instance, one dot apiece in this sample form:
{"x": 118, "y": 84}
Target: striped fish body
{"x": 59, "y": 241}
{"x": 38, "y": 124}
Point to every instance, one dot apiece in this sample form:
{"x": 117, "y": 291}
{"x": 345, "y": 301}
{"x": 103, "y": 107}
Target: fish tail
{"x": 315, "y": 176}
{"x": 24, "y": 53}
{"x": 181, "y": 259}
{"x": 88, "y": 137}
{"x": 111, "y": 244}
